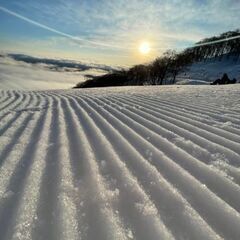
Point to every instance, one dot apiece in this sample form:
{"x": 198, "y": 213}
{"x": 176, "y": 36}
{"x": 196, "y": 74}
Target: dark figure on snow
{"x": 224, "y": 80}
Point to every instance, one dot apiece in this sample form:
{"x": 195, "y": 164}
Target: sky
{"x": 110, "y": 32}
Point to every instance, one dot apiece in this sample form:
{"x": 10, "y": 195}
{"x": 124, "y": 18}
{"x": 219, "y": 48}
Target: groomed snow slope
{"x": 120, "y": 163}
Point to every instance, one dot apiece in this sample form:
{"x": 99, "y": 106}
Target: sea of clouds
{"x": 18, "y": 71}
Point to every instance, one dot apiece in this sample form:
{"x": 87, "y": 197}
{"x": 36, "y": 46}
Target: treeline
{"x": 164, "y": 69}
{"x": 218, "y": 48}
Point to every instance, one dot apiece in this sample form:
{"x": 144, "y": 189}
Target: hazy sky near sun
{"x": 110, "y": 31}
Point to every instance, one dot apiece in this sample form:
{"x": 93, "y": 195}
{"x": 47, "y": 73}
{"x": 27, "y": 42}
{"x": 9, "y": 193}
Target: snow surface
{"x": 120, "y": 163}
{"x": 208, "y": 71}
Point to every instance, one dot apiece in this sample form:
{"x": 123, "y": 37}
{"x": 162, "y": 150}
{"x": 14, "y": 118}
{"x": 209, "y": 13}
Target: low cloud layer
{"x": 19, "y": 71}
{"x": 59, "y": 64}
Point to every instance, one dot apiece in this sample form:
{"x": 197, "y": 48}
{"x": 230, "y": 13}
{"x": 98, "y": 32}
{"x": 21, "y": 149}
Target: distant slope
{"x": 120, "y": 163}
{"x": 209, "y": 70}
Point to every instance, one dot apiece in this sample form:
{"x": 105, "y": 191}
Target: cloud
{"x": 73, "y": 38}
{"x": 103, "y": 27}
{"x": 29, "y": 73}
{"x": 59, "y": 64}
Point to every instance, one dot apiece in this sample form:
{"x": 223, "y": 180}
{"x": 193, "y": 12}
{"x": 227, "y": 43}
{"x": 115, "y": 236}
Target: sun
{"x": 144, "y": 48}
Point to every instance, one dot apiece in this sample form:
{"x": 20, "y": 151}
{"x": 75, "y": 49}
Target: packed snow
{"x": 120, "y": 163}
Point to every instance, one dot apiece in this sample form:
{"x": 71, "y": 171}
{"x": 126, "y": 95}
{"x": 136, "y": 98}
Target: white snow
{"x": 158, "y": 162}
{"x": 209, "y": 70}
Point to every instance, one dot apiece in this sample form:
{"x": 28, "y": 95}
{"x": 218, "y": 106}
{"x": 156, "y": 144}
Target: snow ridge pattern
{"x": 120, "y": 163}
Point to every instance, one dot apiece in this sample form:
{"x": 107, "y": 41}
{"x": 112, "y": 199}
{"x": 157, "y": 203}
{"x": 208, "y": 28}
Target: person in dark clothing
{"x": 224, "y": 80}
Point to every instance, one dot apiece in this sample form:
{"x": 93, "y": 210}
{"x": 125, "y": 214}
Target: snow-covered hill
{"x": 209, "y": 70}
{"x": 120, "y": 163}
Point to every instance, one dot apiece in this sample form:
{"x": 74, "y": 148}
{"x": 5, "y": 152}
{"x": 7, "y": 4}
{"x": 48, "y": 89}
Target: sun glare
{"x": 144, "y": 48}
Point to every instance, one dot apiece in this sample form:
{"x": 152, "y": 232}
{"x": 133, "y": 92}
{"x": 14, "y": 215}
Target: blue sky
{"x": 110, "y": 32}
